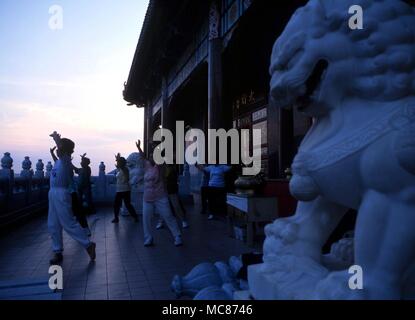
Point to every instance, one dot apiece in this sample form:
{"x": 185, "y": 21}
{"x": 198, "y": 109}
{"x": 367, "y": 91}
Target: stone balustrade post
{"x": 49, "y": 168}
{"x": 39, "y": 173}
{"x": 7, "y": 174}
{"x": 27, "y": 174}
{"x": 102, "y": 182}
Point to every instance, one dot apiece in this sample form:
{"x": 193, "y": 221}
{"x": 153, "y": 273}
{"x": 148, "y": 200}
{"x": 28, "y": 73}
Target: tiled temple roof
{"x": 167, "y": 29}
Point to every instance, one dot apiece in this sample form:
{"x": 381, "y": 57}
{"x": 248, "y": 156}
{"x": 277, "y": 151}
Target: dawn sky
{"x": 69, "y": 80}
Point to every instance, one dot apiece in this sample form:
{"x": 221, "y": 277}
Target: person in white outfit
{"x": 156, "y": 198}
{"x": 60, "y": 214}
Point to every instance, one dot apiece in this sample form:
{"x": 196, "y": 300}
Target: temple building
{"x": 207, "y": 63}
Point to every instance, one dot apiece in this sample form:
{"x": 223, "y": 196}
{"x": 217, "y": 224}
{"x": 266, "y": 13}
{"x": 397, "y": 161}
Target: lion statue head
{"x": 135, "y": 164}
{"x": 319, "y": 60}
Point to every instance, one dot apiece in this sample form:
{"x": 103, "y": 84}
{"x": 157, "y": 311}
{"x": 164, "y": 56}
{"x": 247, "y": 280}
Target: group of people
{"x": 160, "y": 195}
{"x": 70, "y": 202}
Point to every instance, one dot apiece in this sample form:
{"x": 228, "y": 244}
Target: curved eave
{"x": 167, "y": 29}
{"x": 130, "y": 93}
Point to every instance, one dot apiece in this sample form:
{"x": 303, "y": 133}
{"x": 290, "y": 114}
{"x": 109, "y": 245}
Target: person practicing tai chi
{"x": 84, "y": 183}
{"x": 60, "y": 215}
{"x": 156, "y": 199}
{"x": 171, "y": 177}
{"x": 77, "y": 208}
{"x": 123, "y": 190}
{"x": 216, "y": 191}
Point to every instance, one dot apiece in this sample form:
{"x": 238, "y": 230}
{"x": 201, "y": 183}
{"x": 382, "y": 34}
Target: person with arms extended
{"x": 156, "y": 198}
{"x": 77, "y": 209}
{"x": 60, "y": 214}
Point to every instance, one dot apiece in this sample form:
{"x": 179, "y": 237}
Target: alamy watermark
{"x": 56, "y": 278}
{"x": 356, "y": 20}
{"x": 56, "y": 19}
{"x": 194, "y": 153}
{"x": 356, "y": 280}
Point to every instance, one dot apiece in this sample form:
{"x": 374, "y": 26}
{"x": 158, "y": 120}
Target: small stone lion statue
{"x": 359, "y": 88}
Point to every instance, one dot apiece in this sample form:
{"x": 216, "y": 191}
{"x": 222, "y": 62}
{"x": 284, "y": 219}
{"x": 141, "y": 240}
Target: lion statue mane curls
{"x": 359, "y": 88}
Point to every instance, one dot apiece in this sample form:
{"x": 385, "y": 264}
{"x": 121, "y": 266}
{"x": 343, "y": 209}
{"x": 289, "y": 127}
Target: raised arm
{"x": 138, "y": 145}
{"x": 52, "y": 153}
{"x": 56, "y": 137}
{"x": 77, "y": 170}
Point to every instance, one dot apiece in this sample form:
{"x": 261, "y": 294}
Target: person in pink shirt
{"x": 156, "y": 198}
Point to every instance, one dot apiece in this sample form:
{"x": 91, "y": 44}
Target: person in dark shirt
{"x": 84, "y": 183}
{"x": 216, "y": 192}
{"x": 83, "y": 193}
{"x": 204, "y": 191}
{"x": 171, "y": 178}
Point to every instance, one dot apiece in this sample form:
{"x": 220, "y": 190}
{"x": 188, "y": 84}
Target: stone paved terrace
{"x": 124, "y": 268}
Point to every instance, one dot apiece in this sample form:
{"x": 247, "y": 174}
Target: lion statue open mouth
{"x": 359, "y": 87}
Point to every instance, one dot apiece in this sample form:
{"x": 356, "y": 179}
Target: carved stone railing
{"x": 103, "y": 186}
{"x": 21, "y": 195}
{"x": 26, "y": 194}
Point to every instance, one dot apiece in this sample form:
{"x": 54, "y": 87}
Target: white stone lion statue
{"x": 359, "y": 87}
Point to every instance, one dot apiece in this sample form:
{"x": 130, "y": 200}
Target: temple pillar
{"x": 148, "y": 125}
{"x": 286, "y": 145}
{"x": 215, "y": 108}
{"x": 273, "y": 141}
{"x": 145, "y": 131}
{"x": 165, "y": 104}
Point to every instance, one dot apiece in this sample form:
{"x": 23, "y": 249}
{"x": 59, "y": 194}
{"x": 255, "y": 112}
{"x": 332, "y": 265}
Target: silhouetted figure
{"x": 204, "y": 190}
{"x": 156, "y": 198}
{"x": 60, "y": 215}
{"x": 171, "y": 177}
{"x": 84, "y": 192}
{"x": 123, "y": 190}
{"x": 216, "y": 192}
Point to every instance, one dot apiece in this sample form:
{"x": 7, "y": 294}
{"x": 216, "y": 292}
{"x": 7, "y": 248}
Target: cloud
{"x": 36, "y": 83}
{"x": 99, "y": 127}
